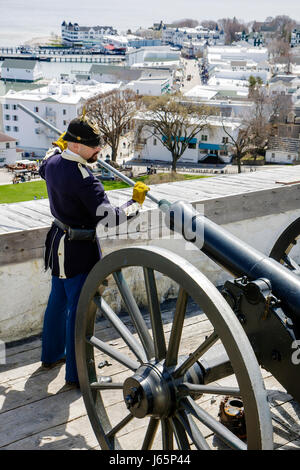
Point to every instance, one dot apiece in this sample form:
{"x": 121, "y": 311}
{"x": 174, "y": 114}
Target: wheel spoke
{"x": 118, "y": 356}
{"x": 173, "y": 348}
{"x": 123, "y": 331}
{"x": 119, "y": 426}
{"x": 208, "y": 343}
{"x": 192, "y": 430}
{"x": 150, "y": 434}
{"x": 189, "y": 389}
{"x": 135, "y": 314}
{"x": 155, "y": 315}
{"x": 180, "y": 434}
{"x": 291, "y": 264}
{"x": 106, "y": 386}
{"x": 221, "y": 431}
{"x": 167, "y": 434}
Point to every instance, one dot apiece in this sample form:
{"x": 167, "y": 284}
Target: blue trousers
{"x": 58, "y": 339}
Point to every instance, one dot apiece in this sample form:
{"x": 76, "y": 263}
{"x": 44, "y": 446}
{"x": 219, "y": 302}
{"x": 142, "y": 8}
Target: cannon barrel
{"x": 234, "y": 255}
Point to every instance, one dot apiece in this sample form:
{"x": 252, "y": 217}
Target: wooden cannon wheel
{"x": 159, "y": 393}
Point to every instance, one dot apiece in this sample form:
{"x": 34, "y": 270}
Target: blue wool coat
{"x": 77, "y": 199}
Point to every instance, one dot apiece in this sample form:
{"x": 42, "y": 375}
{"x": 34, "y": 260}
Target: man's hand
{"x": 139, "y": 192}
{"x": 61, "y": 143}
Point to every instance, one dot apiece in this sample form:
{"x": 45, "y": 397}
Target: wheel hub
{"x": 150, "y": 391}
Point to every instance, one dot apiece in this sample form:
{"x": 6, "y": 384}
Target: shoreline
{"x": 41, "y": 41}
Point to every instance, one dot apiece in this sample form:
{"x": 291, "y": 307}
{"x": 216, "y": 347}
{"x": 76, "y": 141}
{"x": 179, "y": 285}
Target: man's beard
{"x": 93, "y": 158}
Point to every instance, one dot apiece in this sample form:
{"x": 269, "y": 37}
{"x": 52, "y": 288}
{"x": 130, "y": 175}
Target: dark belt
{"x": 76, "y": 233}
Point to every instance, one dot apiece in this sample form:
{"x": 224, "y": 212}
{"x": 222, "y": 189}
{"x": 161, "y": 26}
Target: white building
{"x": 8, "y": 150}
{"x": 153, "y": 86}
{"x": 212, "y": 141}
{"x": 177, "y": 36}
{"x": 57, "y": 103}
{"x": 85, "y": 35}
{"x": 283, "y": 150}
{"x": 216, "y": 54}
{"x": 19, "y": 70}
{"x": 152, "y": 56}
{"x": 240, "y": 73}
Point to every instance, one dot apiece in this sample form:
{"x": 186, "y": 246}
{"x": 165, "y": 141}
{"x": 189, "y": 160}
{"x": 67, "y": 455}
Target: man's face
{"x": 90, "y": 154}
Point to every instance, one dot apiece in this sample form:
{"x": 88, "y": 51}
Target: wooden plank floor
{"x": 38, "y": 411}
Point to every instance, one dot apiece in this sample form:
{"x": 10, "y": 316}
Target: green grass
{"x": 10, "y": 193}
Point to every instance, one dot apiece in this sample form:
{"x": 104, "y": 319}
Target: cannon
{"x": 253, "y": 322}
{"x": 160, "y": 378}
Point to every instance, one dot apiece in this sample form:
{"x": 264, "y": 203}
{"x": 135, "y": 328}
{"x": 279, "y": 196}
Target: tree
{"x": 172, "y": 122}
{"x": 231, "y": 27}
{"x": 209, "y": 24}
{"x": 255, "y": 129}
{"x": 185, "y": 23}
{"x": 113, "y": 113}
{"x": 284, "y": 26}
{"x": 254, "y": 84}
{"x": 281, "y": 105}
{"x": 280, "y": 52}
{"x": 239, "y": 143}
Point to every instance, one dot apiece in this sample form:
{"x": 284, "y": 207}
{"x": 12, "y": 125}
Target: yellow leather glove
{"x": 61, "y": 143}
{"x": 139, "y": 192}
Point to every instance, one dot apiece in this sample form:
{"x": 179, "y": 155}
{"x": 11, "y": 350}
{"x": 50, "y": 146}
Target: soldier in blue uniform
{"x": 75, "y": 197}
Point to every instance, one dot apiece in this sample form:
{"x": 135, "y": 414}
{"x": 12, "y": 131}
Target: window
{"x": 14, "y": 107}
{"x": 225, "y": 140}
{"x": 154, "y": 142}
{"x": 16, "y": 129}
{"x": 191, "y": 145}
{"x": 7, "y": 117}
{"x": 36, "y": 109}
{"x": 7, "y": 128}
{"x": 65, "y": 123}
{"x": 288, "y": 157}
{"x": 6, "y": 106}
{"x": 204, "y": 138}
{"x": 64, "y": 112}
{"x": 15, "y": 118}
{"x": 7, "y": 145}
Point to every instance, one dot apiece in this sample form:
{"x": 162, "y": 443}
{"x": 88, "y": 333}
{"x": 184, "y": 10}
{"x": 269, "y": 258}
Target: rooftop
{"x": 6, "y": 138}
{"x": 60, "y": 92}
{"x": 19, "y": 64}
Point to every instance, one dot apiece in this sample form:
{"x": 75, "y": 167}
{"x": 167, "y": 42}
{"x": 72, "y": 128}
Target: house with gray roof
{"x": 19, "y": 70}
{"x": 283, "y": 150}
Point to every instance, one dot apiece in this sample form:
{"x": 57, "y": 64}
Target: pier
{"x": 64, "y": 55}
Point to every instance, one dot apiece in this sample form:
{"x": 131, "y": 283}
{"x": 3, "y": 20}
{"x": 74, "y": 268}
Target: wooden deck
{"x": 38, "y": 411}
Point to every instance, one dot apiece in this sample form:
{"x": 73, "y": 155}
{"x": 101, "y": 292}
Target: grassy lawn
{"x": 37, "y": 189}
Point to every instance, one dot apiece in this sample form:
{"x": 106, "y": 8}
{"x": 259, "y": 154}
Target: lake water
{"x": 22, "y": 20}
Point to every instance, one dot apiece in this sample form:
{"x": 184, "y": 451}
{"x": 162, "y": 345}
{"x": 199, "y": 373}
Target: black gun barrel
{"x": 234, "y": 255}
